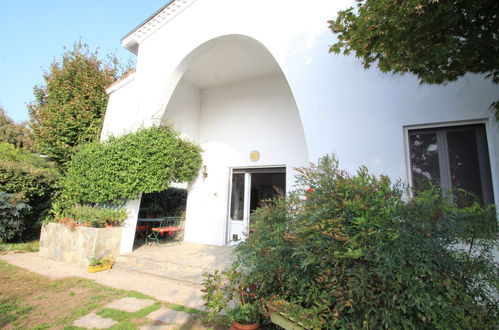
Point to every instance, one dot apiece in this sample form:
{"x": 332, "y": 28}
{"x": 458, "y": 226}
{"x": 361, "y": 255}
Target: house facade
{"x": 253, "y": 83}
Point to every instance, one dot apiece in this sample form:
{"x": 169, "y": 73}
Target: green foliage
{"x": 220, "y": 289}
{"x": 94, "y": 216}
{"x": 357, "y": 254}
{"x": 32, "y": 246}
{"x": 245, "y": 313}
{"x": 69, "y": 106}
{"x": 96, "y": 261}
{"x": 12, "y": 310}
{"x": 124, "y": 167}
{"x": 304, "y": 317}
{"x": 16, "y": 134}
{"x": 167, "y": 203}
{"x": 33, "y": 178}
{"x": 9, "y": 153}
{"x": 438, "y": 41}
{"x": 12, "y": 214}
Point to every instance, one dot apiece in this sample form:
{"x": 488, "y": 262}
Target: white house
{"x": 253, "y": 83}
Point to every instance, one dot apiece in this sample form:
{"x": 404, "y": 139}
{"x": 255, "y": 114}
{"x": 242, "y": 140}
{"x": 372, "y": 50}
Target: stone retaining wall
{"x": 78, "y": 246}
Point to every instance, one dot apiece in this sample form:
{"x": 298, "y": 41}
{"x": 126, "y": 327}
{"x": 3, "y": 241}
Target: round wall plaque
{"x": 254, "y": 156}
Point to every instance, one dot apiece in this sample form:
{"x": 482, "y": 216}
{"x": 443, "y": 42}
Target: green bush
{"x": 12, "y": 214}
{"x": 356, "y": 253}
{"x": 245, "y": 313}
{"x": 123, "y": 168}
{"x": 167, "y": 203}
{"x": 31, "y": 176}
{"x": 94, "y": 216}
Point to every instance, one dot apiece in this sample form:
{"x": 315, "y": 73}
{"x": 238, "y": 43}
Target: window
{"x": 454, "y": 157}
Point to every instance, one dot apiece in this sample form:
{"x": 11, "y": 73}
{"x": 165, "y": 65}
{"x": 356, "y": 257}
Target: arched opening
{"x": 231, "y": 97}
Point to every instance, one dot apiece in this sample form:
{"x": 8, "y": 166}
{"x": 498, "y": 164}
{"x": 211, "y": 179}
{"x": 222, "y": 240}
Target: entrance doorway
{"x": 249, "y": 189}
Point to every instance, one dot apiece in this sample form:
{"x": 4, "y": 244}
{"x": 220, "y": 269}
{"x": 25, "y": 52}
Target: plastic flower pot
{"x": 99, "y": 268}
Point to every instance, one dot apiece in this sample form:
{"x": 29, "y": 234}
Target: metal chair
{"x": 169, "y": 225}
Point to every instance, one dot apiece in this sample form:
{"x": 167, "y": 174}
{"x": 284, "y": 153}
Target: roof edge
{"x": 161, "y": 17}
{"x": 144, "y": 22}
{"x": 124, "y": 80}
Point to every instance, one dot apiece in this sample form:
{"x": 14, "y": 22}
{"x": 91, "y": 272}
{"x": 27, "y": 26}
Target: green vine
{"x": 122, "y": 168}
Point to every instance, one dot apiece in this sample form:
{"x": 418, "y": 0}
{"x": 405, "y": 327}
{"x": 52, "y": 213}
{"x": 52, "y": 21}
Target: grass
{"x": 32, "y": 301}
{"x": 32, "y": 246}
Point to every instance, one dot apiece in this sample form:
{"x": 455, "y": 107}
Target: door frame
{"x": 247, "y": 170}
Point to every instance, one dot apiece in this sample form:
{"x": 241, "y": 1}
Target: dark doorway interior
{"x": 265, "y": 186}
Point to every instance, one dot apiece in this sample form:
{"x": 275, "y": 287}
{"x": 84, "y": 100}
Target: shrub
{"x": 229, "y": 290}
{"x": 357, "y": 254}
{"x": 123, "y": 168}
{"x": 12, "y": 213}
{"x": 31, "y": 176}
{"x": 94, "y": 216}
{"x": 168, "y": 203}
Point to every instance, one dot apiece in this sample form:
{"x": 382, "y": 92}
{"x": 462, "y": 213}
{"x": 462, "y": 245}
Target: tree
{"x": 69, "y": 107}
{"x": 18, "y": 135}
{"x": 437, "y": 40}
{"x": 29, "y": 179}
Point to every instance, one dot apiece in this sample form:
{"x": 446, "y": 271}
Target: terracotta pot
{"x": 108, "y": 226}
{"x": 238, "y": 326}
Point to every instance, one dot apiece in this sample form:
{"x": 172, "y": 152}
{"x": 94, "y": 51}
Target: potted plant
{"x": 245, "y": 316}
{"x": 99, "y": 264}
{"x": 90, "y": 216}
{"x": 229, "y": 291}
{"x": 292, "y": 316}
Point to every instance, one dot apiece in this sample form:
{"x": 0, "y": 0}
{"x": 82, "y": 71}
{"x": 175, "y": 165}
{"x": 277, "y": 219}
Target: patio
{"x": 176, "y": 260}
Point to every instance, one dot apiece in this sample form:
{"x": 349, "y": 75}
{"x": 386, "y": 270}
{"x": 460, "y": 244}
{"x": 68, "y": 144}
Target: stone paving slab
{"x": 130, "y": 304}
{"x": 167, "y": 315}
{"x": 92, "y": 321}
{"x": 159, "y": 327}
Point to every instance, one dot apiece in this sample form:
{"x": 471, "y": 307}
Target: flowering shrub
{"x": 357, "y": 254}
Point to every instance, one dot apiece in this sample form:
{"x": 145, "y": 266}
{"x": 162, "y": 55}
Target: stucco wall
{"x": 122, "y": 109}
{"x": 357, "y": 114}
{"x": 183, "y": 111}
{"x": 259, "y": 114}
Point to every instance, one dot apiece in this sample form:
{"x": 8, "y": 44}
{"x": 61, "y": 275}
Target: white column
{"x": 128, "y": 232}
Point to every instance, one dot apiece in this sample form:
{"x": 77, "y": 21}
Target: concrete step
{"x": 189, "y": 275}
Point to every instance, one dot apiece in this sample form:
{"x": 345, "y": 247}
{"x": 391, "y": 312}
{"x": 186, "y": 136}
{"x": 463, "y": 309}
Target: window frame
{"x": 440, "y": 128}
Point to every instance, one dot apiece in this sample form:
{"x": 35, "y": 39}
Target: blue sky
{"x": 34, "y": 32}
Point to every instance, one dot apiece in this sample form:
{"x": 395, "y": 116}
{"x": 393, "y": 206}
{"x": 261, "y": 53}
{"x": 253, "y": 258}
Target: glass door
{"x": 249, "y": 189}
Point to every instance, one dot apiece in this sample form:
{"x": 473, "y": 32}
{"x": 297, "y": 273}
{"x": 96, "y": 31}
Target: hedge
{"x": 122, "y": 168}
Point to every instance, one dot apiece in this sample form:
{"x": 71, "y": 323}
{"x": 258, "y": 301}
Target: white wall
{"x": 122, "y": 108}
{"x": 357, "y": 114}
{"x": 258, "y": 114}
{"x": 183, "y": 110}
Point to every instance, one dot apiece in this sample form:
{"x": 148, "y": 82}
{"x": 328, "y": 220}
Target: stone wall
{"x": 78, "y": 246}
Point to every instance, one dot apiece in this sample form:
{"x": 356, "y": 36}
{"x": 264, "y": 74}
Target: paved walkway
{"x": 163, "y": 318}
{"x": 179, "y": 261}
{"x": 163, "y": 289}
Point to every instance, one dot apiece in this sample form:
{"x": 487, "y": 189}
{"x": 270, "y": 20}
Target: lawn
{"x": 31, "y": 246}
{"x": 29, "y": 300}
